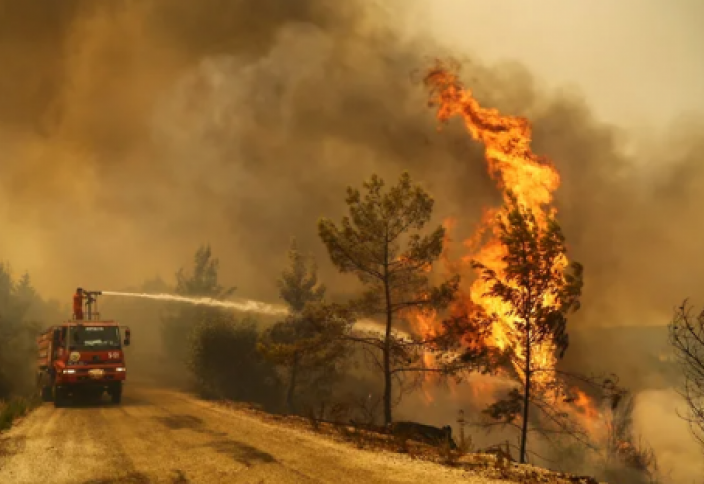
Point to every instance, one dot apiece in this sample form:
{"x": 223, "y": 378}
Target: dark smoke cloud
{"x": 136, "y": 131}
{"x": 132, "y": 132}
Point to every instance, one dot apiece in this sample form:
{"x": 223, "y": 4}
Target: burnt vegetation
{"x": 687, "y": 339}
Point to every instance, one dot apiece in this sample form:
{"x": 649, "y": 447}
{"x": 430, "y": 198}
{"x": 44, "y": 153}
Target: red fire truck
{"x": 82, "y": 357}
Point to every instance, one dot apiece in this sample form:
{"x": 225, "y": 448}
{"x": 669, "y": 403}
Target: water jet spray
{"x": 246, "y": 305}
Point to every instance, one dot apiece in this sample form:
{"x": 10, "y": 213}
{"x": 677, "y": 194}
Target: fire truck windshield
{"x": 94, "y": 337}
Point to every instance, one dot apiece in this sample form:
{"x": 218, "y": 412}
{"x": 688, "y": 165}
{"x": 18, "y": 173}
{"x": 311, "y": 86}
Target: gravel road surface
{"x": 165, "y": 436}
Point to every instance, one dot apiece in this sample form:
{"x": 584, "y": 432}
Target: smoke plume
{"x": 132, "y": 132}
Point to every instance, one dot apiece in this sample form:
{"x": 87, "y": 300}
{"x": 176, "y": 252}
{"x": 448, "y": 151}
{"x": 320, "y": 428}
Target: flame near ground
{"x": 533, "y": 180}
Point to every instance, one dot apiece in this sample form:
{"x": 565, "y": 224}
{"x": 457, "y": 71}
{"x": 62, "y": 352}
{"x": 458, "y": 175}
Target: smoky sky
{"x": 132, "y": 132}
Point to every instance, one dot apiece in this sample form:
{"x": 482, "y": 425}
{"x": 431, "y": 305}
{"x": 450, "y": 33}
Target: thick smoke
{"x": 132, "y": 132}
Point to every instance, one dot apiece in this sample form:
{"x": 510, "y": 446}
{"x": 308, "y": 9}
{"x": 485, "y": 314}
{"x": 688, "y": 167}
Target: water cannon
{"x": 91, "y": 300}
{"x": 90, "y": 295}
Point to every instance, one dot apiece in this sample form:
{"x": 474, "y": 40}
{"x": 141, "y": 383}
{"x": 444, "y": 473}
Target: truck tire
{"x": 60, "y": 397}
{"x": 44, "y": 391}
{"x": 116, "y": 394}
{"x": 47, "y": 394}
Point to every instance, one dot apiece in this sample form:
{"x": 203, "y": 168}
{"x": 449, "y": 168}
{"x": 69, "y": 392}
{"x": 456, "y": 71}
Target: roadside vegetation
{"x": 22, "y": 312}
{"x": 324, "y": 367}
{"x": 16, "y": 407}
{"x": 316, "y": 365}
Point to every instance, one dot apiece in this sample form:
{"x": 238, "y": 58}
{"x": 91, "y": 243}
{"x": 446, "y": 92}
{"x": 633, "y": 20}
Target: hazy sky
{"x": 131, "y": 132}
{"x": 636, "y": 61}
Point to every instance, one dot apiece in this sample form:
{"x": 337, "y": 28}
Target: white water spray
{"x": 246, "y": 305}
{"x": 249, "y": 305}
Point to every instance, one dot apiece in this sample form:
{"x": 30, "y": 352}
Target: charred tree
{"x": 686, "y": 332}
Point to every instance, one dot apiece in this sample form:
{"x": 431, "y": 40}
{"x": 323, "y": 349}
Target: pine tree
{"x": 539, "y": 294}
{"x": 381, "y": 242}
{"x": 306, "y": 344}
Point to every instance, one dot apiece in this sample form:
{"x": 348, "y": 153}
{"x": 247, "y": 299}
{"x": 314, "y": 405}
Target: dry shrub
{"x": 15, "y": 408}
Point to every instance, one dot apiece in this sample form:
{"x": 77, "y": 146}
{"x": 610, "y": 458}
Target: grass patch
{"x": 15, "y": 408}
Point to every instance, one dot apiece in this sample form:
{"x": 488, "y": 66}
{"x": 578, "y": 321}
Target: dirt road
{"x": 164, "y": 436}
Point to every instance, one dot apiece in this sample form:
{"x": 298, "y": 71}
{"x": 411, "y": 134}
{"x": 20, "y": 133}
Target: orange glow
{"x": 584, "y": 404}
{"x": 514, "y": 167}
{"x": 533, "y": 180}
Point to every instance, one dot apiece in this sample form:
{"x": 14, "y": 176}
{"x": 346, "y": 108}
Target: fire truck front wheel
{"x": 116, "y": 393}
{"x": 47, "y": 394}
{"x": 45, "y": 387}
{"x": 60, "y": 397}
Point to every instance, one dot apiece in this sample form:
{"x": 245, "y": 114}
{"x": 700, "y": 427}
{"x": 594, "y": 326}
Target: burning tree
{"x": 686, "y": 333}
{"x": 308, "y": 342}
{"x": 533, "y": 293}
{"x": 381, "y": 243}
{"x": 526, "y": 285}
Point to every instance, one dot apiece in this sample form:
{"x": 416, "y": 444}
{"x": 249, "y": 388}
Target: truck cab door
{"x": 57, "y": 340}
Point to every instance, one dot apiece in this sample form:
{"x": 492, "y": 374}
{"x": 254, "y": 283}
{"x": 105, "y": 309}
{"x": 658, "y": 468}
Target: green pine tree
{"x": 382, "y": 243}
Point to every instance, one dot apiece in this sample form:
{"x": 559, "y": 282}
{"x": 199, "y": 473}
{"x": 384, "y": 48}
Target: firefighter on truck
{"x": 83, "y": 356}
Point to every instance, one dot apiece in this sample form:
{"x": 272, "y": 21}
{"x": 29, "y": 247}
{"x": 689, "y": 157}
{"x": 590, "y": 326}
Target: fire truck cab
{"x": 82, "y": 357}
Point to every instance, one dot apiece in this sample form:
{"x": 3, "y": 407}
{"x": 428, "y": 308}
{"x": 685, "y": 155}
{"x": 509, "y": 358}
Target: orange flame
{"x": 533, "y": 180}
{"x": 515, "y": 167}
{"x": 584, "y": 404}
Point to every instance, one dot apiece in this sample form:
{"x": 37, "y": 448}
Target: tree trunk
{"x": 387, "y": 354}
{"x": 292, "y": 385}
{"x": 526, "y": 397}
{"x": 387, "y": 337}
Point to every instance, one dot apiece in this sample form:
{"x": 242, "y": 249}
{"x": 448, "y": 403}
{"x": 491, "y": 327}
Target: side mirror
{"x": 56, "y": 336}
{"x": 126, "y": 342}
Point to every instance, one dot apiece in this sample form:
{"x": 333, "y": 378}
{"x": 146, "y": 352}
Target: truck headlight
{"x": 69, "y": 371}
{"x": 120, "y": 369}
